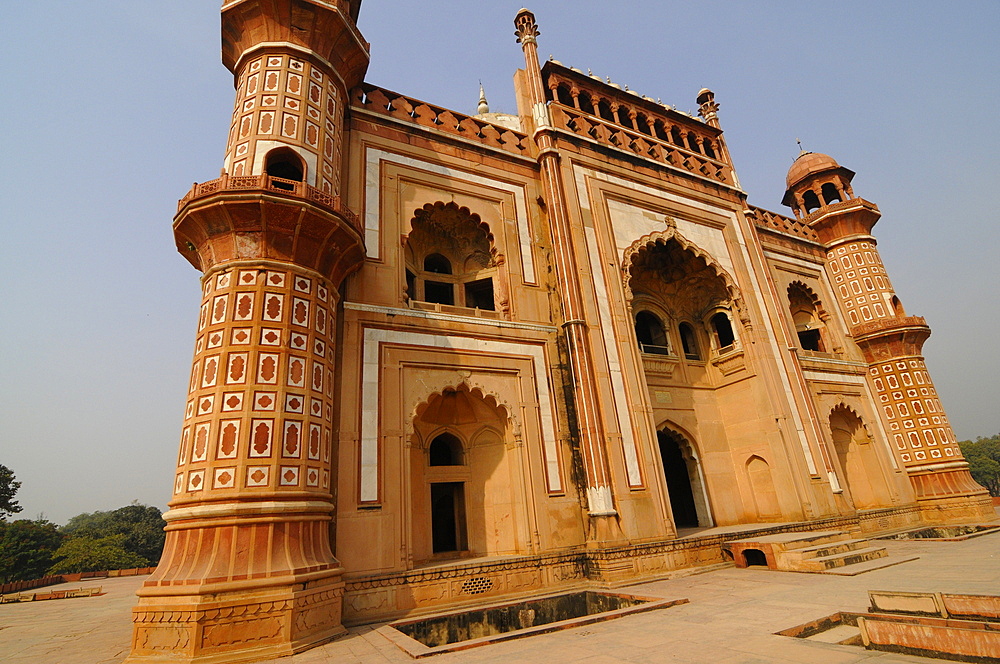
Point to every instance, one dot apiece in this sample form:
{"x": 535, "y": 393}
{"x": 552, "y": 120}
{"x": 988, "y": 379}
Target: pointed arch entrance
{"x": 685, "y": 482}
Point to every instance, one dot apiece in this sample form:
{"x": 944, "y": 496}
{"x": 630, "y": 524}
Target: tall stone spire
{"x": 248, "y": 572}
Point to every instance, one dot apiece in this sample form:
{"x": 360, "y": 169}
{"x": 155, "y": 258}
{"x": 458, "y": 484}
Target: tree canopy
{"x": 140, "y": 525}
{"x": 983, "y": 455}
{"x": 8, "y": 487}
{"x": 26, "y": 549}
{"x": 81, "y": 553}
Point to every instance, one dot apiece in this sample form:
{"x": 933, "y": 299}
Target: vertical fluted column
{"x": 586, "y": 399}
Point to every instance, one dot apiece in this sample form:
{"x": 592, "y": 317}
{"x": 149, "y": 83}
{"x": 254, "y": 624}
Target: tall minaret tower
{"x": 820, "y": 194}
{"x": 248, "y": 572}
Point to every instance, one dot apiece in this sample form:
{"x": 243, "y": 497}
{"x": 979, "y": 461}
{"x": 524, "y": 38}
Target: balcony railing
{"x": 267, "y": 183}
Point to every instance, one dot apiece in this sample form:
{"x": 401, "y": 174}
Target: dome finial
{"x": 484, "y": 106}
{"x": 802, "y": 150}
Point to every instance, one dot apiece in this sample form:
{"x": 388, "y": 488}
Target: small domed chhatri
{"x": 808, "y": 163}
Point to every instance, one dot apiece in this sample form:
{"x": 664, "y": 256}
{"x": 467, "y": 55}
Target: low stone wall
{"x": 18, "y": 586}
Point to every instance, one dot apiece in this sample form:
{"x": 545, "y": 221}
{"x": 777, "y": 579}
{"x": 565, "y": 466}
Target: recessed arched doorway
{"x": 685, "y": 485}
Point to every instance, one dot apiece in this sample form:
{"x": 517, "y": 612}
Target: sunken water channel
{"x": 453, "y": 631}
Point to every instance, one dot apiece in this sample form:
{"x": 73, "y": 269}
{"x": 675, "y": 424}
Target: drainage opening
{"x": 754, "y": 557}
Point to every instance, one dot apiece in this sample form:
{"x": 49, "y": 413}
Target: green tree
{"x": 26, "y": 549}
{"x": 983, "y": 455}
{"x": 8, "y": 487}
{"x": 94, "y": 554}
{"x": 141, "y": 527}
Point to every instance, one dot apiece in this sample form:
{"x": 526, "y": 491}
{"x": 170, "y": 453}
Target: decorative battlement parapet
{"x": 622, "y": 119}
{"x": 271, "y": 185}
{"x": 408, "y": 109}
{"x": 773, "y": 221}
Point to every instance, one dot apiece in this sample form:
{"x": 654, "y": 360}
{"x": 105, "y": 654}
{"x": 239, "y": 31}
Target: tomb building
{"x": 446, "y": 358}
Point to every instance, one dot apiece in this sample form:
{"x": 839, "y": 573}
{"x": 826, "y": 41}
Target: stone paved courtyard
{"x": 731, "y": 617}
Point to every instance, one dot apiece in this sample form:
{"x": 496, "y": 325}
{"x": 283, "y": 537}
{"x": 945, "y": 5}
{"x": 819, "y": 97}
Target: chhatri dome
{"x": 808, "y": 163}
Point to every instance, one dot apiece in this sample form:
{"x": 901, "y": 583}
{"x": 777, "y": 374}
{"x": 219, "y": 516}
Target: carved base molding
{"x": 237, "y": 626}
{"x": 385, "y": 597}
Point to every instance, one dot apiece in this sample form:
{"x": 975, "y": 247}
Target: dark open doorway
{"x": 675, "y": 468}
{"x": 448, "y": 517}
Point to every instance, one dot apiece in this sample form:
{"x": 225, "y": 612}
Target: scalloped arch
{"x": 843, "y": 407}
{"x": 490, "y": 398}
{"x": 810, "y": 295}
{"x": 672, "y": 234}
{"x": 440, "y": 207}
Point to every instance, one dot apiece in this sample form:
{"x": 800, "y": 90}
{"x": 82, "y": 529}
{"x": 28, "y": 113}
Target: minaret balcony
{"x": 247, "y": 217}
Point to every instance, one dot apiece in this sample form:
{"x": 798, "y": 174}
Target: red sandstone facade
{"x": 445, "y": 358}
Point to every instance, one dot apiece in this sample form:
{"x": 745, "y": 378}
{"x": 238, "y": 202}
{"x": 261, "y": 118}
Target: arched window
{"x": 897, "y": 306}
{"x": 285, "y": 164}
{"x": 689, "y": 341}
{"x": 723, "y": 330}
{"x": 650, "y": 334}
{"x": 604, "y": 110}
{"x": 449, "y": 258}
{"x": 810, "y": 200}
{"x": 445, "y": 450}
{"x": 437, "y": 264}
{"x": 586, "y": 105}
{"x": 830, "y": 193}
{"x": 803, "y": 307}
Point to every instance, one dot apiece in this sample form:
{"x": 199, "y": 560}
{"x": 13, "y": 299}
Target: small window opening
{"x": 689, "y": 341}
{"x": 445, "y": 450}
{"x": 659, "y": 131}
{"x": 479, "y": 295}
{"x": 604, "y": 110}
{"x": 694, "y": 143}
{"x": 650, "y": 334}
{"x": 897, "y": 306}
{"x": 642, "y": 124}
{"x": 565, "y": 98}
{"x": 723, "y": 330}
{"x": 709, "y": 151}
{"x": 676, "y": 137}
{"x": 586, "y": 105}
{"x": 830, "y": 193}
{"x": 754, "y": 558}
{"x": 439, "y": 292}
{"x": 283, "y": 163}
{"x": 437, "y": 264}
{"x": 623, "y": 117}
{"x": 811, "y": 340}
{"x": 810, "y": 200}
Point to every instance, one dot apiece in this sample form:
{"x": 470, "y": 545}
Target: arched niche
{"x": 687, "y": 284}
{"x": 859, "y": 464}
{"x": 466, "y": 496}
{"x": 808, "y": 317}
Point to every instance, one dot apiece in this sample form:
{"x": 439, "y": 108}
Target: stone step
{"x": 829, "y": 549}
{"x": 842, "y": 559}
{"x": 861, "y": 568}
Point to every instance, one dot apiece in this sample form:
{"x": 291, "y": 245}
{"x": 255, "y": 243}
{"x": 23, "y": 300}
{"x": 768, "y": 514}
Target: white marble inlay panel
{"x": 373, "y": 338}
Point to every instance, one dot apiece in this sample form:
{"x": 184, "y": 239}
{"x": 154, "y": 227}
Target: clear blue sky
{"x": 112, "y": 108}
